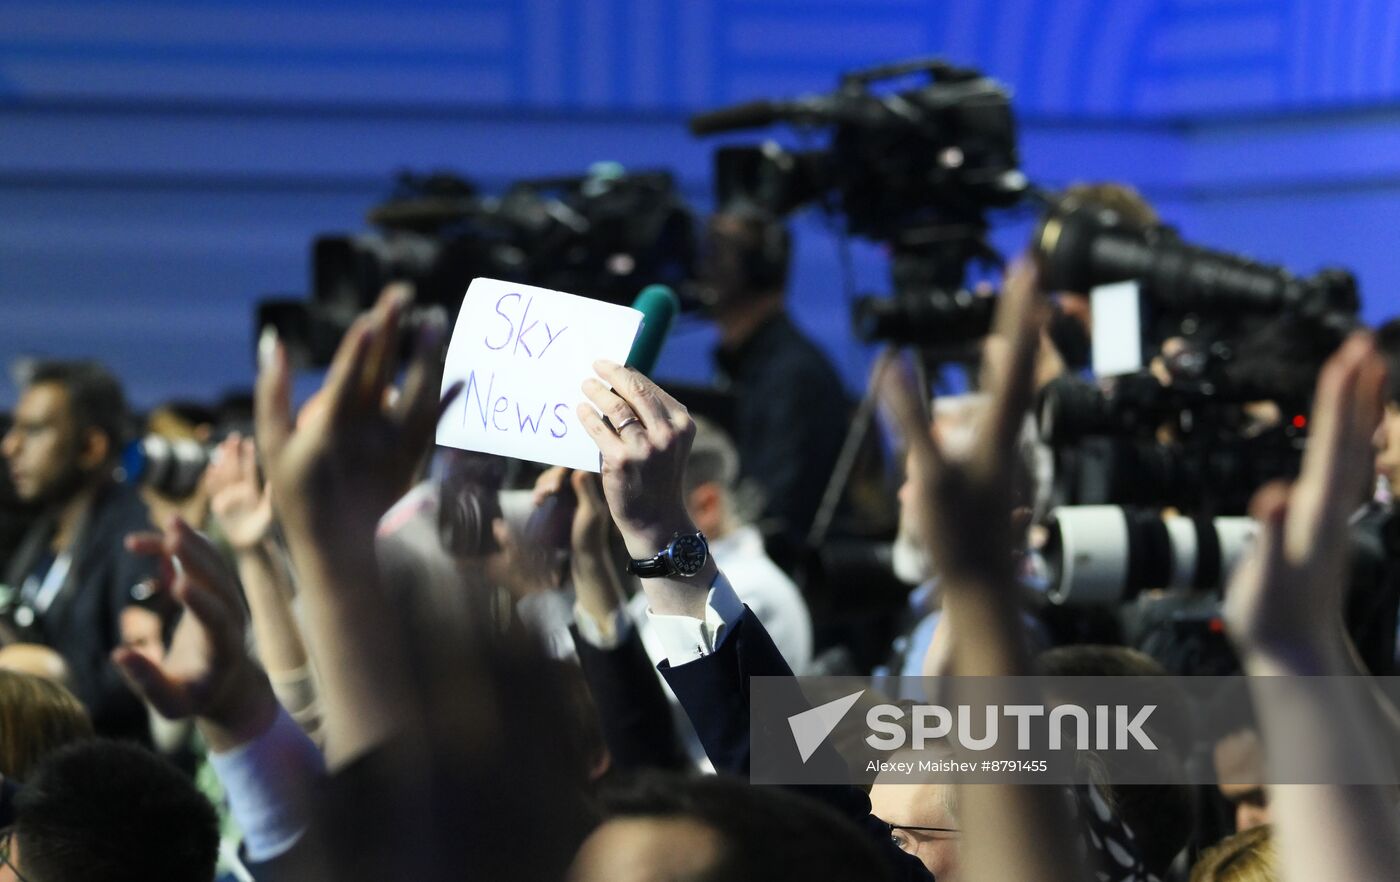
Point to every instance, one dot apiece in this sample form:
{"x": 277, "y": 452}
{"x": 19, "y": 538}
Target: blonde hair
{"x": 37, "y": 716}
{"x": 1244, "y": 857}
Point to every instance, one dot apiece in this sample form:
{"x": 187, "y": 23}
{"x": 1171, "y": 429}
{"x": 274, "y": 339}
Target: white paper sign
{"x": 522, "y": 353}
{"x": 1117, "y": 338}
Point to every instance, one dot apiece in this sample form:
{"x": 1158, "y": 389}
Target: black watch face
{"x": 688, "y": 554}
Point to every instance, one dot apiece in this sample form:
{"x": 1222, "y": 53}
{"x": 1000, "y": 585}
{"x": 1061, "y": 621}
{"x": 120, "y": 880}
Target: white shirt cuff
{"x": 607, "y": 634}
{"x": 686, "y": 638}
{"x": 269, "y": 782}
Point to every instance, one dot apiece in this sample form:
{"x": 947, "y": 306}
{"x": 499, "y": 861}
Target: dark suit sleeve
{"x": 632, "y": 707}
{"x": 715, "y": 693}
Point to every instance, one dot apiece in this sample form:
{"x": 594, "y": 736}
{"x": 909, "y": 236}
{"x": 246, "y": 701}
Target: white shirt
{"x": 748, "y": 577}
{"x": 762, "y": 587}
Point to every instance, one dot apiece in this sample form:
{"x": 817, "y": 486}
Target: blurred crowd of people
{"x": 343, "y": 653}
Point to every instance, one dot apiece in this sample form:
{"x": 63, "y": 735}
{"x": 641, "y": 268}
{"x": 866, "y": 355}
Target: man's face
{"x": 1239, "y": 767}
{"x": 647, "y": 850}
{"x": 1387, "y": 442}
{"x": 43, "y": 447}
{"x": 954, "y": 429}
{"x": 722, "y": 265}
{"x": 920, "y": 805}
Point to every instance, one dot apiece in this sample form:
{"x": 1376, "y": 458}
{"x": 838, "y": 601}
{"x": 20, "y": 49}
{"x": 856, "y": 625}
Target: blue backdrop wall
{"x": 164, "y": 164}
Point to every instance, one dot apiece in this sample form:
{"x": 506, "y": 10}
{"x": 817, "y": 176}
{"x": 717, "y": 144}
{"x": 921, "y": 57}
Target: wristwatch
{"x": 684, "y": 556}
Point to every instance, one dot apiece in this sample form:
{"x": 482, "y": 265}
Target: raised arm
{"x": 632, "y": 708}
{"x": 333, "y": 477}
{"x": 713, "y": 645}
{"x": 599, "y": 577}
{"x": 645, "y": 442}
{"x": 241, "y": 505}
{"x": 1012, "y": 831}
{"x": 267, "y": 764}
{"x": 1284, "y": 612}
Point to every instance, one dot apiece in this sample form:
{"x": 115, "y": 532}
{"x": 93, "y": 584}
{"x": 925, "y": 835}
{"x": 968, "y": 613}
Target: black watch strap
{"x": 651, "y": 568}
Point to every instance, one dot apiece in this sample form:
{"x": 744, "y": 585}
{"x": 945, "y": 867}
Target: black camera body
{"x": 917, "y": 169}
{"x": 1223, "y": 414}
{"x": 1189, "y": 444}
{"x": 1238, "y": 328}
{"x": 602, "y": 235}
{"x": 1187, "y": 291}
{"x": 898, "y": 162}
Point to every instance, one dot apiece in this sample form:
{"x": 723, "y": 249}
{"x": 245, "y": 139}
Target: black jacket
{"x": 83, "y": 623}
{"x": 714, "y": 691}
{"x": 632, "y": 708}
{"x": 791, "y": 413}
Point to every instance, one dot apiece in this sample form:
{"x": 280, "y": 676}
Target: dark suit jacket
{"x": 714, "y": 691}
{"x": 83, "y": 623}
{"x": 791, "y": 413}
{"x": 632, "y": 707}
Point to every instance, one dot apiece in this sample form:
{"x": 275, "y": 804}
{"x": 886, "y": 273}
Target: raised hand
{"x": 645, "y": 443}
{"x": 966, "y": 504}
{"x": 1288, "y": 595}
{"x": 207, "y": 672}
{"x": 238, "y": 499}
{"x": 353, "y": 453}
{"x": 241, "y": 505}
{"x": 356, "y": 451}
{"x": 599, "y": 580}
{"x": 591, "y": 523}
{"x": 1283, "y": 611}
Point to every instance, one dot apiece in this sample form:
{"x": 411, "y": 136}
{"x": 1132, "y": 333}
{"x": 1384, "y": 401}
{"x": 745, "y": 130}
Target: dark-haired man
{"x": 102, "y": 811}
{"x": 668, "y": 827}
{"x": 791, "y": 409}
{"x": 69, "y": 580}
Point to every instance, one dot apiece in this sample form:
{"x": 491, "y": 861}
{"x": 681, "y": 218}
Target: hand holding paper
{"x": 521, "y": 353}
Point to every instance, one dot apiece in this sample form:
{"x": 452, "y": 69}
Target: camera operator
{"x": 791, "y": 409}
{"x": 71, "y": 577}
